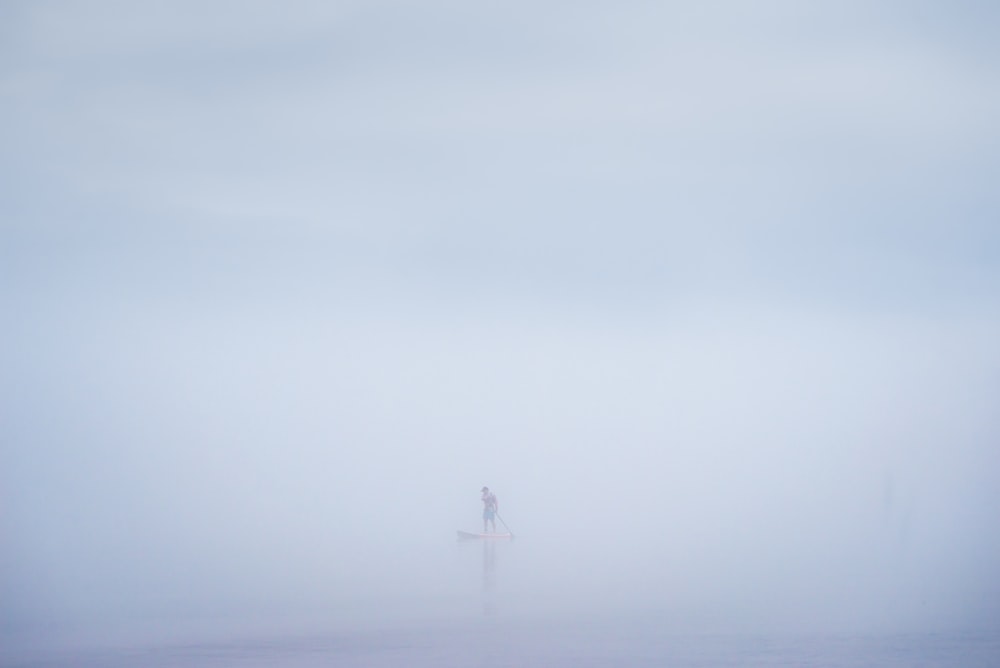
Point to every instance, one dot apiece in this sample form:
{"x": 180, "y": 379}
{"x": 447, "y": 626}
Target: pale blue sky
{"x": 269, "y": 268}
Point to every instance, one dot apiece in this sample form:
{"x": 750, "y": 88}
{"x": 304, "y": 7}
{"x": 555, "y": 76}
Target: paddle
{"x": 504, "y": 525}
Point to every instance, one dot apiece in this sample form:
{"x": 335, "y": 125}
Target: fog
{"x": 707, "y": 297}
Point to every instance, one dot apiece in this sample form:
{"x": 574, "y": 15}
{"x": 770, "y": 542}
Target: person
{"x": 489, "y": 508}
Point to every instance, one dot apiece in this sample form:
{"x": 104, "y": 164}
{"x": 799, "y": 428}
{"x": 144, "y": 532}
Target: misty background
{"x": 708, "y": 295}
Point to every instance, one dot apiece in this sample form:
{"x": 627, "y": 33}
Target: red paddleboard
{"x": 466, "y": 534}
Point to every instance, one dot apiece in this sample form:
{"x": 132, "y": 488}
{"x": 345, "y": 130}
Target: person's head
{"x": 485, "y": 489}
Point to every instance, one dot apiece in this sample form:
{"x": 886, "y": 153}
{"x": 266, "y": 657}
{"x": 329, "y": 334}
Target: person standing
{"x": 489, "y": 508}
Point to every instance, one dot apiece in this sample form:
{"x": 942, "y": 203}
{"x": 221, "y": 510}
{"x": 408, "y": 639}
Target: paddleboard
{"x": 467, "y": 535}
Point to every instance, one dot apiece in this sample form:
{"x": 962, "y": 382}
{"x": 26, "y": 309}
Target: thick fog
{"x": 708, "y": 297}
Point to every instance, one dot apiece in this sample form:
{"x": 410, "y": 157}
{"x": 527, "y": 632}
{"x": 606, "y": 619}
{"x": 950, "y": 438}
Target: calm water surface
{"x": 495, "y": 644}
{"x": 493, "y": 606}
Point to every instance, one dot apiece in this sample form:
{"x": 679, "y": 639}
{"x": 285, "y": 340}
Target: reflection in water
{"x": 490, "y": 546}
{"x": 489, "y": 577}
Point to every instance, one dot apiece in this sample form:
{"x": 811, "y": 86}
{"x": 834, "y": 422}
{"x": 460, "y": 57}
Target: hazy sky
{"x": 709, "y": 293}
